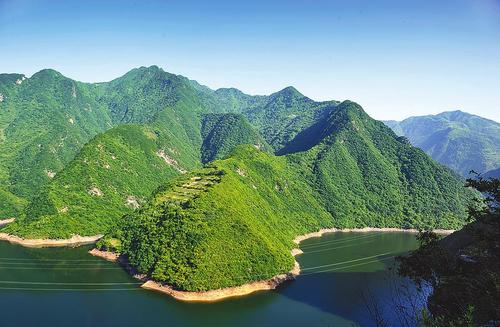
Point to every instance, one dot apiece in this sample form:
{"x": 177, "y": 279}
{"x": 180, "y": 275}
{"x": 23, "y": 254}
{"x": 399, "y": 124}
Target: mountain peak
{"x": 288, "y": 91}
{"x": 152, "y": 68}
{"x": 46, "y": 73}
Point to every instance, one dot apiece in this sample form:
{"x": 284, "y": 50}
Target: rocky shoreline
{"x": 223, "y": 293}
{"x": 207, "y": 296}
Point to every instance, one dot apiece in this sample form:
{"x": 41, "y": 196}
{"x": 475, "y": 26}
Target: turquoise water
{"x": 67, "y": 286}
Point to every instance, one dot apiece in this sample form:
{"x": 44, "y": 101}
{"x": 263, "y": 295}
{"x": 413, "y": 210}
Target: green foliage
{"x": 463, "y": 269}
{"x": 456, "y": 139}
{"x": 44, "y": 121}
{"x": 227, "y": 224}
{"x": 223, "y": 132}
{"x": 285, "y": 114}
{"x": 113, "y": 174}
{"x": 359, "y": 174}
{"x": 368, "y": 177}
{"x": 84, "y": 159}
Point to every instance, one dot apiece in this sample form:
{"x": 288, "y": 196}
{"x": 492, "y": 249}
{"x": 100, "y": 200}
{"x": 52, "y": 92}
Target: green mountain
{"x": 225, "y": 224}
{"x": 112, "y": 175}
{"x": 197, "y": 232}
{"x": 44, "y": 122}
{"x": 158, "y": 136}
{"x": 149, "y": 128}
{"x": 456, "y": 139}
{"x": 223, "y": 132}
{"x": 285, "y": 114}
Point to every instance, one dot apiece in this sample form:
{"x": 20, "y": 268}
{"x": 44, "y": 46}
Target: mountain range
{"x": 459, "y": 140}
{"x": 174, "y": 174}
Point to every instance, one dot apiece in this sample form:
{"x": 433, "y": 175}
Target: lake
{"x": 67, "y": 286}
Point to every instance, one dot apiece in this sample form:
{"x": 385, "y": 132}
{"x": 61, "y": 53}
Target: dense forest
{"x": 463, "y": 269}
{"x": 175, "y": 174}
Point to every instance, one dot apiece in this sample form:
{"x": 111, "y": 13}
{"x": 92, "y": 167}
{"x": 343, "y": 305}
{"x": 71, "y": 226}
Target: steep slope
{"x": 285, "y": 114}
{"x": 93, "y": 192}
{"x": 88, "y": 197}
{"x": 226, "y": 224}
{"x": 223, "y": 132}
{"x": 233, "y": 222}
{"x": 456, "y": 139}
{"x": 369, "y": 177}
{"x": 111, "y": 176}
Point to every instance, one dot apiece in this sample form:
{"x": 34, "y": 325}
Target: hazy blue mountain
{"x": 459, "y": 140}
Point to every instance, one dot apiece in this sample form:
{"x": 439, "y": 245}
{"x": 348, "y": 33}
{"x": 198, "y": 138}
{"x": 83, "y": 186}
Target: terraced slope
{"x": 113, "y": 175}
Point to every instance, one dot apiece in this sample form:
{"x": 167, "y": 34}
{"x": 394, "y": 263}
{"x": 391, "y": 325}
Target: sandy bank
{"x": 321, "y": 232}
{"x": 35, "y": 243}
{"x": 223, "y": 293}
{"x": 107, "y": 255}
{"x": 4, "y": 222}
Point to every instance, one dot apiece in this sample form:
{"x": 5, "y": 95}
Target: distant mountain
{"x": 459, "y": 140}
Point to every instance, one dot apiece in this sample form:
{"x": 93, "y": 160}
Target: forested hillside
{"x": 223, "y": 132}
{"x": 459, "y": 140}
{"x": 110, "y": 145}
{"x": 356, "y": 173}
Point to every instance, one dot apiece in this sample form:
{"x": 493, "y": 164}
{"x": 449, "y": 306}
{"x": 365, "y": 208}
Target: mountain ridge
{"x": 457, "y": 139}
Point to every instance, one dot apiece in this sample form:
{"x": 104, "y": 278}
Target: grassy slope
{"x": 170, "y": 112}
{"x": 44, "y": 121}
{"x": 284, "y": 114}
{"x": 123, "y": 164}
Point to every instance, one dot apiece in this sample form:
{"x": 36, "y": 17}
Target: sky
{"x": 396, "y": 58}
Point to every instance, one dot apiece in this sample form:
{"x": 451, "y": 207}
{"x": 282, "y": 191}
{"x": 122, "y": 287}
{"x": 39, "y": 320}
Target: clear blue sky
{"x": 396, "y": 58}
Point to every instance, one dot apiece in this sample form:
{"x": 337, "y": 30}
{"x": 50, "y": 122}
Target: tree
{"x": 463, "y": 269}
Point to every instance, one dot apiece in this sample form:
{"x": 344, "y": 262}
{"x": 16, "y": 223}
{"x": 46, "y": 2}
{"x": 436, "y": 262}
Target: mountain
{"x": 459, "y": 140}
{"x": 285, "y": 114}
{"x": 225, "y": 224}
{"x": 157, "y": 136}
{"x": 44, "y": 122}
{"x": 356, "y": 173}
{"x": 223, "y": 132}
{"x": 149, "y": 127}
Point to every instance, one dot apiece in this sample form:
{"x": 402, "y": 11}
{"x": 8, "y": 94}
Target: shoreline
{"x": 106, "y": 255}
{"x": 75, "y": 240}
{"x": 206, "y": 296}
{"x": 321, "y": 232}
{"x": 223, "y": 293}
{"x": 251, "y": 287}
